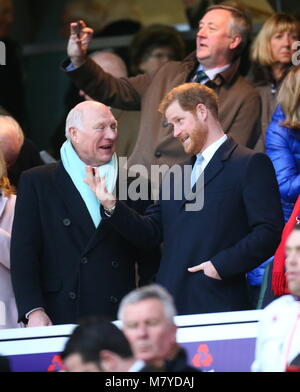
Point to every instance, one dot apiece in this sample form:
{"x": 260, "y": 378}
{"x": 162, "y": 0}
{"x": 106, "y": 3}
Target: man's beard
{"x": 198, "y": 138}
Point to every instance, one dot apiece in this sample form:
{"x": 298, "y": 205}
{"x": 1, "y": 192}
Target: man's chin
{"x": 189, "y": 151}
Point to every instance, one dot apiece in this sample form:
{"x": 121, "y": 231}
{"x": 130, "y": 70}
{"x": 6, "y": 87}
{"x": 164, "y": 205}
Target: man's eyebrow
{"x": 174, "y": 118}
{"x": 209, "y": 23}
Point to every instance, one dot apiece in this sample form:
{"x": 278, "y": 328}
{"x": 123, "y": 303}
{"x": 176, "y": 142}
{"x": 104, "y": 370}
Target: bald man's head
{"x": 92, "y": 130}
{"x": 110, "y": 63}
{"x": 11, "y": 139}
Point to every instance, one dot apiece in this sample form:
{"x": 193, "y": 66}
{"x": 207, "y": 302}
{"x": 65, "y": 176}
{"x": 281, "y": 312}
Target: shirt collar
{"x": 209, "y": 152}
{"x": 211, "y": 73}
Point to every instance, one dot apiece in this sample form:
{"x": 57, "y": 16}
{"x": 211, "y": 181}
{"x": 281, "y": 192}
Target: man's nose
{"x": 142, "y": 331}
{"x": 176, "y": 132}
{"x": 111, "y": 134}
{"x": 202, "y": 31}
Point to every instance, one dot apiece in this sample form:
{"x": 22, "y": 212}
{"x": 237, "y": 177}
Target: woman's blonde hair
{"x": 289, "y": 98}
{"x": 261, "y": 51}
{"x": 5, "y": 187}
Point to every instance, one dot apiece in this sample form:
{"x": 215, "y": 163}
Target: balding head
{"x": 80, "y": 112}
{"x": 92, "y": 130}
{"x": 110, "y": 63}
{"x": 11, "y": 139}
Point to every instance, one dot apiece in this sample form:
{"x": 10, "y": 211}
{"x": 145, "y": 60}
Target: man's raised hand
{"x": 78, "y": 43}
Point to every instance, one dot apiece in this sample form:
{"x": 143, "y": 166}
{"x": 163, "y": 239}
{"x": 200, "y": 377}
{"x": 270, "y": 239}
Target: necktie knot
{"x": 199, "y": 159}
{"x": 200, "y": 77}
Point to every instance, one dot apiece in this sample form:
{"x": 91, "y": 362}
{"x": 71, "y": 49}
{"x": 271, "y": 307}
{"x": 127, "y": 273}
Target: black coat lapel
{"x": 77, "y": 211}
{"x": 214, "y": 167}
{"x": 101, "y": 231}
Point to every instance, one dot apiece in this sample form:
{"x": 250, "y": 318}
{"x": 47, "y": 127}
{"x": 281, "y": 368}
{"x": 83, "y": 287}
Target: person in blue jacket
{"x": 283, "y": 148}
{"x": 283, "y": 141}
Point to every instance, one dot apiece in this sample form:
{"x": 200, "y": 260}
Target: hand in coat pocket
{"x": 208, "y": 268}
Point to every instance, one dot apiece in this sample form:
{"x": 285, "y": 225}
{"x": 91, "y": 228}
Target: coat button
{"x": 66, "y": 222}
{"x": 113, "y": 299}
{"x": 158, "y": 154}
{"x": 72, "y": 295}
{"x": 115, "y": 264}
{"x": 84, "y": 260}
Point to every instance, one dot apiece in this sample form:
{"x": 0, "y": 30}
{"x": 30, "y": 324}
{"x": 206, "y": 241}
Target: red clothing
{"x": 279, "y": 282}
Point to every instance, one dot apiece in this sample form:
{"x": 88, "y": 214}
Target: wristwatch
{"x": 109, "y": 211}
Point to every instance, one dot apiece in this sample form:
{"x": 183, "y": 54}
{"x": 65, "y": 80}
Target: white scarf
{"x": 75, "y": 167}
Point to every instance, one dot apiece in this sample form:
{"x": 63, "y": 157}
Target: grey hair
{"x": 74, "y": 119}
{"x": 153, "y": 291}
{"x": 9, "y": 125}
{"x": 240, "y": 23}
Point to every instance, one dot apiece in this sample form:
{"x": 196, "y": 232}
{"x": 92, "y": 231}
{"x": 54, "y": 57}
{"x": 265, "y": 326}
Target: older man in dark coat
{"x": 66, "y": 262}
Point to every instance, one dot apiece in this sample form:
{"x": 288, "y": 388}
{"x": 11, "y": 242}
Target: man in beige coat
{"x": 223, "y": 32}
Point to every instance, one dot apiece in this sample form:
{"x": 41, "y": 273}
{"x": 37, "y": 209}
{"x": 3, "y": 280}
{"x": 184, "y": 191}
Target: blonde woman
{"x": 271, "y": 56}
{"x": 8, "y": 311}
{"x": 283, "y": 140}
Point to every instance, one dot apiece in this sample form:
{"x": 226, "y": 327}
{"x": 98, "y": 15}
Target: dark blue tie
{"x": 199, "y": 77}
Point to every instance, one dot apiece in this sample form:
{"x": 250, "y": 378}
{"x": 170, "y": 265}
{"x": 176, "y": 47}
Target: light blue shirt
{"x": 203, "y": 158}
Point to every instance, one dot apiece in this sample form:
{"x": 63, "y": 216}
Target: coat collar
{"x": 214, "y": 167}
{"x": 226, "y": 77}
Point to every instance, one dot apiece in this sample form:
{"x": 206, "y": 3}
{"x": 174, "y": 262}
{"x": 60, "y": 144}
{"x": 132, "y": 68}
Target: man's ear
{"x": 236, "y": 40}
{"x": 202, "y": 111}
{"x": 73, "y": 132}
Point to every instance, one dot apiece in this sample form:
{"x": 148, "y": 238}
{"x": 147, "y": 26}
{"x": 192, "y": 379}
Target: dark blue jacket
{"x": 238, "y": 227}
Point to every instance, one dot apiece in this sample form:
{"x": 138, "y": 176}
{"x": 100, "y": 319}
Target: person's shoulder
{"x": 244, "y": 153}
{"x": 249, "y": 153}
{"x": 246, "y": 158}
{"x": 40, "y": 171}
{"x": 243, "y": 85}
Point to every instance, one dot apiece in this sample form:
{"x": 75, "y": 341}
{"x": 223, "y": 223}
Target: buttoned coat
{"x": 238, "y": 228}
{"x": 60, "y": 261}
